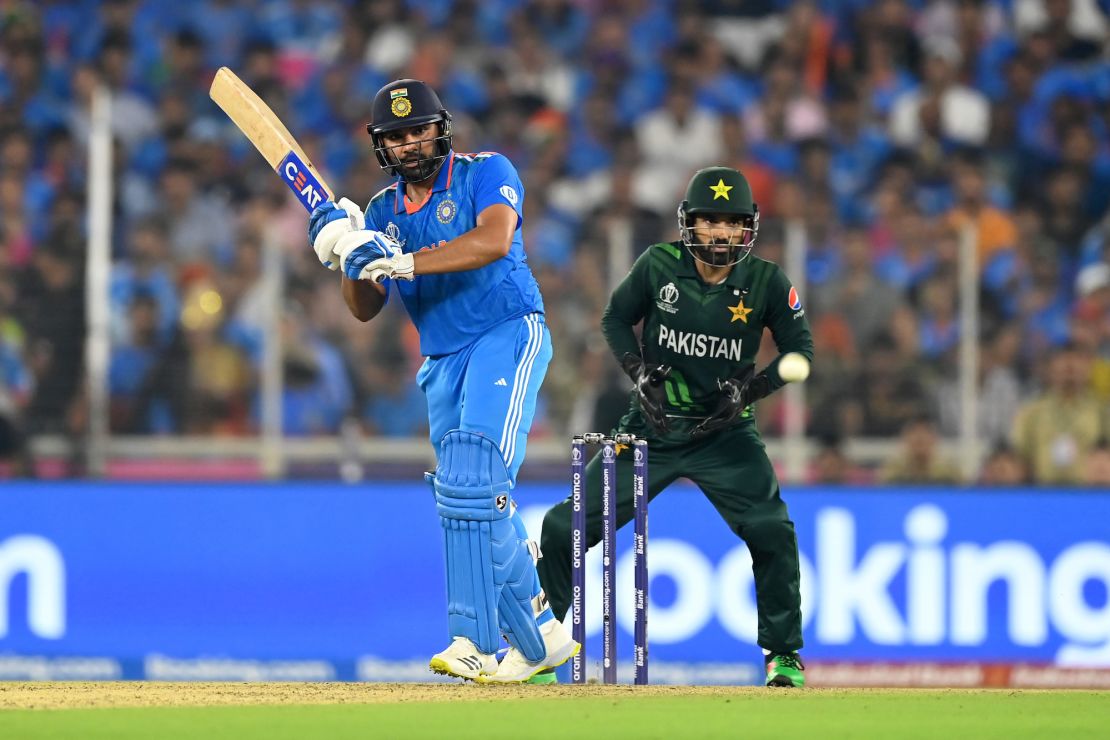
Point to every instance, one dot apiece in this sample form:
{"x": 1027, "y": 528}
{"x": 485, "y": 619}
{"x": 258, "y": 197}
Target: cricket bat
{"x": 270, "y": 137}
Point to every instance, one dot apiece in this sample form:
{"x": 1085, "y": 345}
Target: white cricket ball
{"x": 793, "y": 367}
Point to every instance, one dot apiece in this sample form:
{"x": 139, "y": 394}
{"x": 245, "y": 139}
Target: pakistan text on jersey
{"x": 699, "y": 345}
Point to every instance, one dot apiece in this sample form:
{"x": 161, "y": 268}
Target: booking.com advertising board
{"x": 332, "y": 582}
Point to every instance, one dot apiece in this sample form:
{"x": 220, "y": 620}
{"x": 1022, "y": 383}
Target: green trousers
{"x": 733, "y": 471}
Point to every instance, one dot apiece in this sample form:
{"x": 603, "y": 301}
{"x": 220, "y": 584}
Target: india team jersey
{"x": 453, "y": 309}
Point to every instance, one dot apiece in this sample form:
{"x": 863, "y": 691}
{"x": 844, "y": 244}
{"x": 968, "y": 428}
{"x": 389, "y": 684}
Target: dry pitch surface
{"x": 337, "y": 711}
{"x": 91, "y": 694}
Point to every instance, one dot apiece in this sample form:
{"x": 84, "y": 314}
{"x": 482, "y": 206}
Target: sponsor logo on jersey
{"x": 509, "y": 193}
{"x": 442, "y": 242}
{"x": 793, "y": 300}
{"x": 445, "y": 211}
{"x": 693, "y": 344}
{"x": 668, "y": 297}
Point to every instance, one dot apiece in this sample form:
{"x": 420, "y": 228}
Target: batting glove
{"x": 400, "y": 266}
{"x": 330, "y": 221}
{"x": 372, "y": 255}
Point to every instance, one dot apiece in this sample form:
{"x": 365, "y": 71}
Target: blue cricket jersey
{"x": 453, "y": 309}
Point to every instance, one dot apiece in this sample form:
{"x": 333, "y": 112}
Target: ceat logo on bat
{"x": 301, "y": 181}
{"x": 793, "y": 300}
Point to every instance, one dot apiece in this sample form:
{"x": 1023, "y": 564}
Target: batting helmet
{"x": 404, "y": 104}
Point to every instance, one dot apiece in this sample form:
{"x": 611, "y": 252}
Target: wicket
{"x": 608, "y": 552}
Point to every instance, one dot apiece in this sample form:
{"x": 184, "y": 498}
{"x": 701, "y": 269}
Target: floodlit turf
{"x": 739, "y": 713}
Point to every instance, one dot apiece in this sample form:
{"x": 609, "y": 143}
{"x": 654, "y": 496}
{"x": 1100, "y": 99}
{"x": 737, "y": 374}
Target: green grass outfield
{"x": 334, "y": 711}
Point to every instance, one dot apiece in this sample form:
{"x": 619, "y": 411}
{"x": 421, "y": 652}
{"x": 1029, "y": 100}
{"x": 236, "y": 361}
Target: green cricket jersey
{"x": 705, "y": 332}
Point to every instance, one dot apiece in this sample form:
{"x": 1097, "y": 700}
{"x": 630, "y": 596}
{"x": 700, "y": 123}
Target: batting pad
{"x": 490, "y": 572}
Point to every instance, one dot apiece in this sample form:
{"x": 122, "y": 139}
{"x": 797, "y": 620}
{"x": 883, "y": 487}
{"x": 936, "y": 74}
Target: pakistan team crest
{"x": 446, "y": 211}
{"x": 400, "y": 103}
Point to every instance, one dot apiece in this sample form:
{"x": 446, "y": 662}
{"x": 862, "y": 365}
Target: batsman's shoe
{"x": 543, "y": 678}
{"x": 463, "y": 660}
{"x": 786, "y": 670}
{"x": 515, "y": 668}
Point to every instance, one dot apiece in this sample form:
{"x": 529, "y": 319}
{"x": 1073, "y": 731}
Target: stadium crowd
{"x": 879, "y": 129}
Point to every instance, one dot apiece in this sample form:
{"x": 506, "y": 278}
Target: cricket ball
{"x": 793, "y": 367}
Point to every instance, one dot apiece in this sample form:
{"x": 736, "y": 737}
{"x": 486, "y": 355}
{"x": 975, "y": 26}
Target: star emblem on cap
{"x": 720, "y": 190}
{"x": 739, "y": 312}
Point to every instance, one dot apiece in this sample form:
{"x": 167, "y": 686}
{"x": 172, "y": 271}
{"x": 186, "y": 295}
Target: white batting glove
{"x": 398, "y": 267}
{"x": 328, "y": 223}
{"x": 368, "y": 255}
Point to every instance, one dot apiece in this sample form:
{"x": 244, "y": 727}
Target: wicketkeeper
{"x": 704, "y": 302}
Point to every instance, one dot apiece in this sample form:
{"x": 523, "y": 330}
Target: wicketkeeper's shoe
{"x": 463, "y": 660}
{"x": 544, "y": 677}
{"x": 515, "y": 668}
{"x": 786, "y": 670}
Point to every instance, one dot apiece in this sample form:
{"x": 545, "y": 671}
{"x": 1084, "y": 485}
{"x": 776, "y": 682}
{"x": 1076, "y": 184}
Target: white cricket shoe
{"x": 515, "y": 668}
{"x": 463, "y": 660}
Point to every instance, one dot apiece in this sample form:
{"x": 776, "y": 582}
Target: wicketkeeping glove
{"x": 736, "y": 395}
{"x": 650, "y": 384}
{"x": 330, "y": 221}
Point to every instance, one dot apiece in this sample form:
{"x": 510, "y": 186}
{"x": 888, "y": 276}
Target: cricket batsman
{"x": 447, "y": 234}
{"x": 704, "y": 302}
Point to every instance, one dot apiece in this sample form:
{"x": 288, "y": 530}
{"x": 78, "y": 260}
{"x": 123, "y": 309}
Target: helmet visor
{"x": 719, "y": 239}
{"x": 413, "y": 159}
